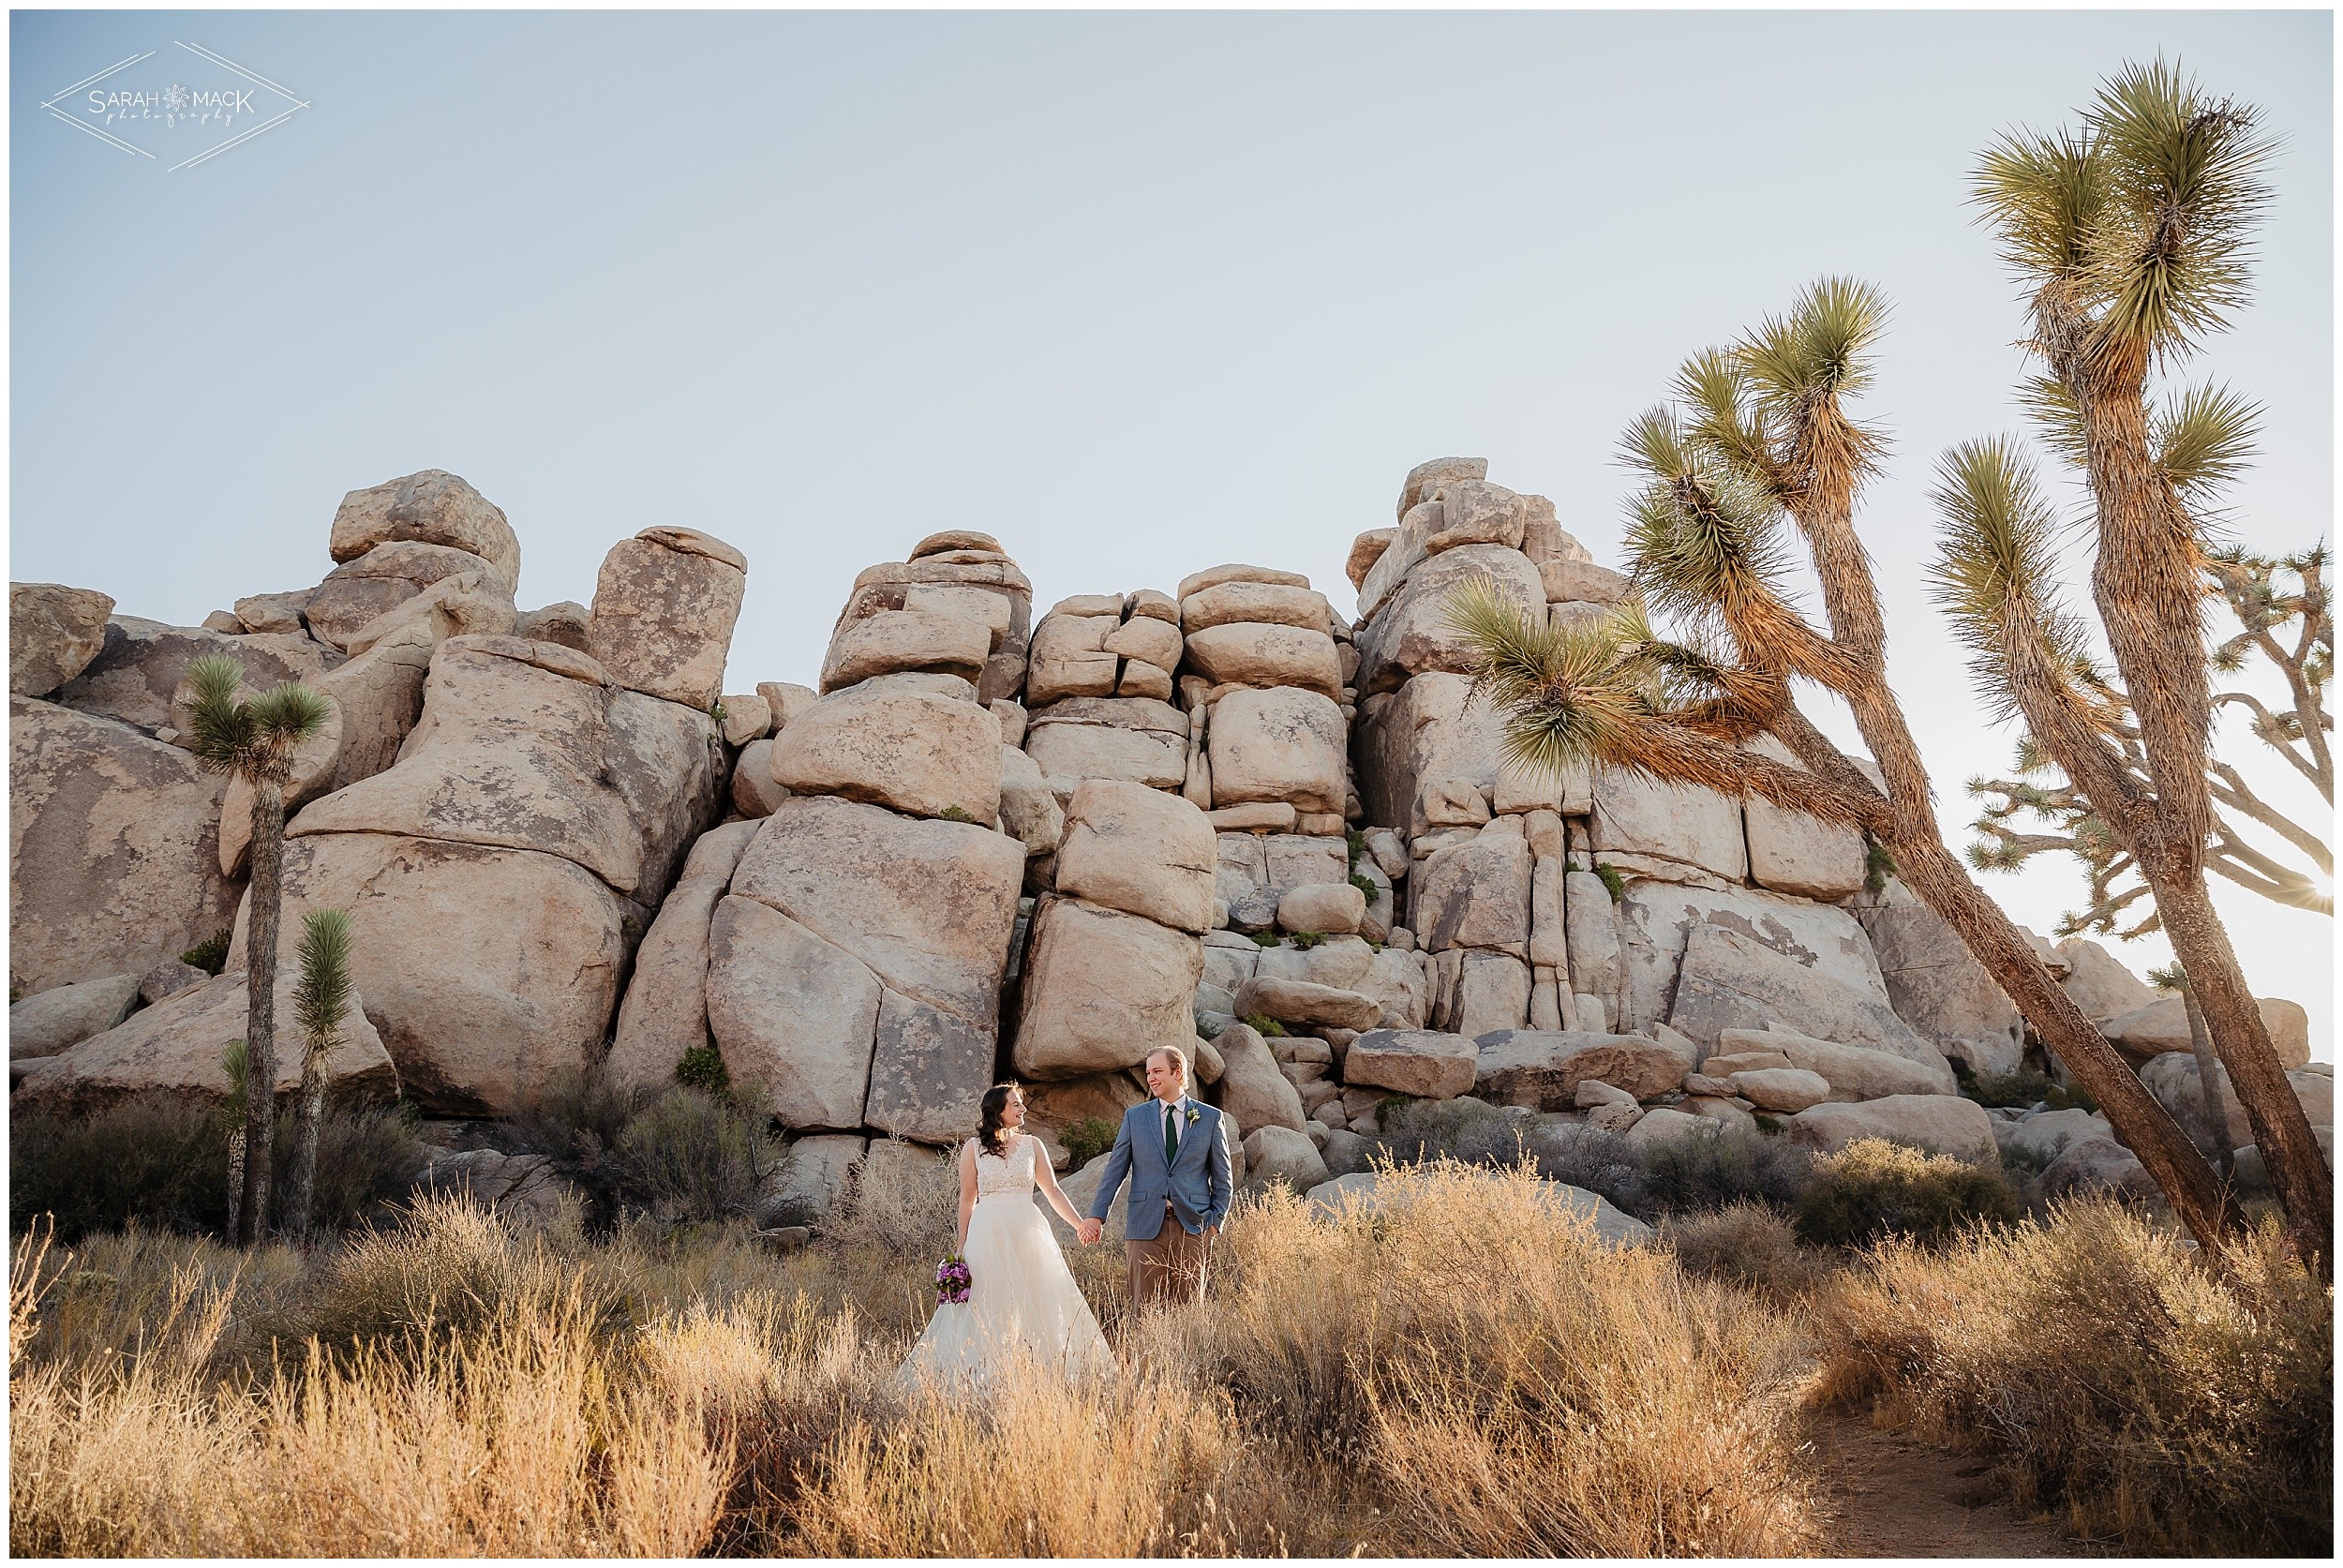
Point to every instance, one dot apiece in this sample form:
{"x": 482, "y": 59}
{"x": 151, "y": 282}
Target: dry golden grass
{"x": 2115, "y": 1377}
{"x": 1463, "y": 1370}
{"x": 1512, "y": 1385}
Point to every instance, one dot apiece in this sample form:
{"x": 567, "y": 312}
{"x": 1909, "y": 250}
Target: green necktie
{"x": 1170, "y": 1134}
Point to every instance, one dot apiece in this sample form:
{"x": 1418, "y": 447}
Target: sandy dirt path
{"x": 1889, "y": 1496}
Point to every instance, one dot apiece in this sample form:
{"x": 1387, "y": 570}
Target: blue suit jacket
{"x": 1199, "y": 1183}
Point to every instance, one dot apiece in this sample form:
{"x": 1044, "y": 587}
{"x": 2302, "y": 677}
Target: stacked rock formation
{"x": 1223, "y": 818}
{"x": 843, "y": 943}
{"x": 501, "y": 814}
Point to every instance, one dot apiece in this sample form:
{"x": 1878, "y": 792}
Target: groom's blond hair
{"x": 1174, "y": 1053}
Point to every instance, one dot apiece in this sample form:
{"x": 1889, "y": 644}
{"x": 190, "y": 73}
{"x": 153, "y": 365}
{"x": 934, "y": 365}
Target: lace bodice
{"x": 1008, "y": 1175}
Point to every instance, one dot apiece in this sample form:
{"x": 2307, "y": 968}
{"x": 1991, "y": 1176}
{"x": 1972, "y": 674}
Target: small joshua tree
{"x": 319, "y": 1003}
{"x": 253, "y": 739}
{"x": 233, "y": 1056}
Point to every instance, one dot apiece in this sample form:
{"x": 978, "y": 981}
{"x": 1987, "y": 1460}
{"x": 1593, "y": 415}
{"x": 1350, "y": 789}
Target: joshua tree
{"x": 2131, "y": 236}
{"x": 319, "y": 1003}
{"x": 233, "y": 1058}
{"x": 2220, "y": 1137}
{"x": 1762, "y": 434}
{"x": 2267, "y": 612}
{"x": 253, "y": 739}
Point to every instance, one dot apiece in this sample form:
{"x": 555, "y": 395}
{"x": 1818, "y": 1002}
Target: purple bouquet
{"x": 952, "y": 1281}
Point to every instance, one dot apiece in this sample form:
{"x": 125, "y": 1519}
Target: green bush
{"x": 1696, "y": 1174}
{"x": 955, "y": 813}
{"x": 693, "y": 1156}
{"x": 163, "y": 1161}
{"x": 209, "y": 955}
{"x": 1266, "y": 1027}
{"x": 1368, "y": 888}
{"x": 2022, "y": 1088}
{"x": 1614, "y": 880}
{"x": 702, "y": 1068}
{"x": 1087, "y": 1139}
{"x": 1412, "y": 1131}
{"x": 1306, "y": 940}
{"x": 574, "y": 1117}
{"x": 1873, "y": 1189}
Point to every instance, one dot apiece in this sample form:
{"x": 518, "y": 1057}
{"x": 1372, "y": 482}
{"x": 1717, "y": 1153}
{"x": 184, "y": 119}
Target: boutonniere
{"x": 1194, "y": 1115}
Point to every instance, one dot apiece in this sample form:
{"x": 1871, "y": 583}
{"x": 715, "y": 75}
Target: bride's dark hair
{"x": 988, "y": 1129}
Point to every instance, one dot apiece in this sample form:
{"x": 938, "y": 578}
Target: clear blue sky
{"x": 1138, "y": 293}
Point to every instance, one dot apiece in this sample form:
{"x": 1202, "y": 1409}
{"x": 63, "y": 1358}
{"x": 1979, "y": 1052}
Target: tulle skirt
{"x": 1022, "y": 1305}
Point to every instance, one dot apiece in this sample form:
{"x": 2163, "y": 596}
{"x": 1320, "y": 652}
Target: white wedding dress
{"x": 1023, "y": 1301}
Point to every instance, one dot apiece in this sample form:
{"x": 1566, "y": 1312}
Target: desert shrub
{"x": 447, "y": 1264}
{"x": 2070, "y": 1096}
{"x": 2021, "y": 1164}
{"x": 1513, "y": 1386}
{"x": 1306, "y": 940}
{"x": 1714, "y": 1171}
{"x": 162, "y": 1160}
{"x": 211, "y": 954}
{"x": 367, "y": 1157}
{"x": 1266, "y": 1027}
{"x": 2111, "y": 1375}
{"x": 690, "y": 1156}
{"x": 1749, "y": 1244}
{"x": 702, "y": 1068}
{"x": 1411, "y": 1132}
{"x": 1874, "y": 1188}
{"x": 574, "y": 1117}
{"x": 1368, "y": 888}
{"x": 2022, "y": 1088}
{"x": 1614, "y": 880}
{"x": 915, "y": 1218}
{"x": 1088, "y": 1137}
{"x": 1590, "y": 1158}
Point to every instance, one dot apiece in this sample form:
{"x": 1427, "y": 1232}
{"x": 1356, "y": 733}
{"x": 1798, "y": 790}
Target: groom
{"x": 1175, "y": 1150}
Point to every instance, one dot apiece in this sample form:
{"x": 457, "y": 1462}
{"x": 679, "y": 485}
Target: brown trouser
{"x": 1170, "y": 1267}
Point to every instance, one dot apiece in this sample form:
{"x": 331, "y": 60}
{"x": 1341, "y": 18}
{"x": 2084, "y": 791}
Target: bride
{"x": 1023, "y": 1302}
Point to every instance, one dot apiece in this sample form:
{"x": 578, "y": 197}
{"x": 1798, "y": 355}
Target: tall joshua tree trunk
{"x": 2281, "y": 1129}
{"x": 1915, "y": 839}
{"x": 300, "y": 1185}
{"x": 2220, "y": 1137}
{"x": 1928, "y": 869}
{"x": 260, "y": 1116}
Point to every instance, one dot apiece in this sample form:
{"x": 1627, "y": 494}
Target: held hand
{"x": 1090, "y": 1231}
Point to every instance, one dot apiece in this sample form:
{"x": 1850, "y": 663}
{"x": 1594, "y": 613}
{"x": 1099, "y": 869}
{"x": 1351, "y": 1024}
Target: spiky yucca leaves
{"x": 2133, "y": 230}
{"x": 254, "y": 739}
{"x": 1995, "y": 576}
{"x": 1703, "y": 534}
{"x": 320, "y": 1002}
{"x": 2203, "y": 440}
{"x": 252, "y": 736}
{"x": 1608, "y": 692}
{"x": 2185, "y": 180}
